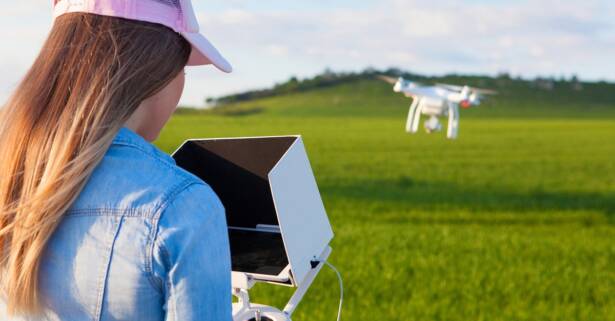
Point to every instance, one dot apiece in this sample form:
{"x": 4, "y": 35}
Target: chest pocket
{"x": 75, "y": 267}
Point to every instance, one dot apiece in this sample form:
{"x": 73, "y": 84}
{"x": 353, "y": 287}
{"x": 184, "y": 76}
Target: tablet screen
{"x": 257, "y": 252}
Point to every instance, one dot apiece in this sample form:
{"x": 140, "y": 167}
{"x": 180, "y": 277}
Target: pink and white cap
{"x": 175, "y": 14}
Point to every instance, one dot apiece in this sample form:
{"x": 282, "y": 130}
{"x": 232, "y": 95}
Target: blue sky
{"x": 268, "y": 41}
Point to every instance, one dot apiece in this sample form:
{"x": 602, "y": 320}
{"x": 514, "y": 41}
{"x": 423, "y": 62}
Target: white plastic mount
{"x": 244, "y": 310}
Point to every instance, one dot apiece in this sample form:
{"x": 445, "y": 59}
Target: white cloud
{"x": 403, "y": 25}
{"x": 277, "y": 50}
{"x": 235, "y": 16}
{"x": 274, "y": 40}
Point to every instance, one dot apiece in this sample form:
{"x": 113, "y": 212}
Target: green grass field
{"x": 513, "y": 221}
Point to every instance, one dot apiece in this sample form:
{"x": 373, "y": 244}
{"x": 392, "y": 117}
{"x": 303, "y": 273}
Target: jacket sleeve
{"x": 191, "y": 257}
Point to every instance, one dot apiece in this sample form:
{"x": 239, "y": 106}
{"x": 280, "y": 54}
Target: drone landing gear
{"x": 414, "y": 116}
{"x": 453, "y": 120}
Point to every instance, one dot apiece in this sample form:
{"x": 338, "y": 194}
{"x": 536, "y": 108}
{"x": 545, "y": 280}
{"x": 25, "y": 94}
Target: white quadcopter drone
{"x": 279, "y": 231}
{"x": 437, "y": 101}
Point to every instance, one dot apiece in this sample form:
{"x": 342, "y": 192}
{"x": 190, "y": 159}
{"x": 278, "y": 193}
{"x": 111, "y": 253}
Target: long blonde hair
{"x": 90, "y": 76}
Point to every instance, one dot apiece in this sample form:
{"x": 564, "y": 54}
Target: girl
{"x": 95, "y": 222}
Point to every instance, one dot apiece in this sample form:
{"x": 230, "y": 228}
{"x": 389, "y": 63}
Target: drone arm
{"x": 421, "y": 92}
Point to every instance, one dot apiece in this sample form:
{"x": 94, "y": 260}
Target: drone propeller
{"x": 399, "y": 81}
{"x": 388, "y": 79}
{"x": 481, "y": 91}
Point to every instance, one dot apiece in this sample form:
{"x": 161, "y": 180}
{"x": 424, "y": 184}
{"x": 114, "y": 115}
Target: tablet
{"x": 277, "y": 221}
{"x": 258, "y": 252}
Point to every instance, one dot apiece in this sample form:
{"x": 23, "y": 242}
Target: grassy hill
{"x": 361, "y": 93}
{"x": 513, "y": 221}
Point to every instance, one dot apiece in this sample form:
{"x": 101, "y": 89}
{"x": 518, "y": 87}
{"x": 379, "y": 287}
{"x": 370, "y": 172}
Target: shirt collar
{"x": 126, "y": 136}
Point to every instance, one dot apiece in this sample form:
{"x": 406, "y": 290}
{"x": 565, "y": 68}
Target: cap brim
{"x": 204, "y": 53}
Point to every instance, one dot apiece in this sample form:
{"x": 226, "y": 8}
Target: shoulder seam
{"x": 150, "y": 154}
{"x": 152, "y": 239}
{"x": 105, "y": 211}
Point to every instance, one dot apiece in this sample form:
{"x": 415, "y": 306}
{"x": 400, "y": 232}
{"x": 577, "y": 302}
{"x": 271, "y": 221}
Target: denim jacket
{"x": 145, "y": 240}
